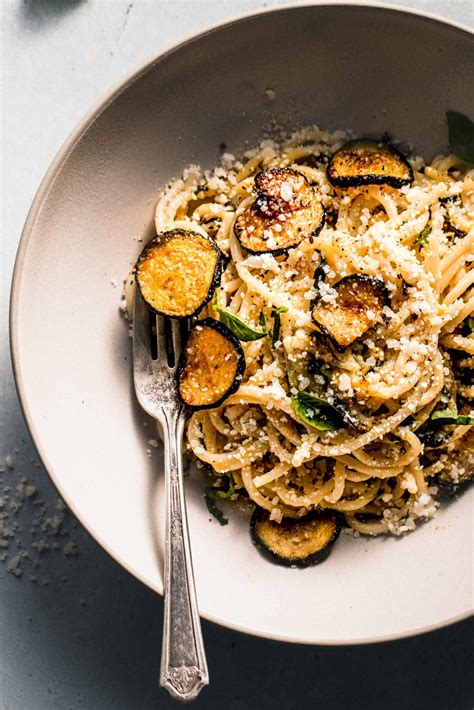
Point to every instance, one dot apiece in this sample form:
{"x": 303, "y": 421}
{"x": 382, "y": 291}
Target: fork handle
{"x": 183, "y": 661}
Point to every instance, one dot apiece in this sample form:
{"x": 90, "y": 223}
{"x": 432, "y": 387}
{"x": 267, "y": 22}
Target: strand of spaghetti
{"x": 356, "y": 477}
{"x": 366, "y": 528}
{"x": 276, "y": 472}
{"x": 371, "y": 469}
{"x": 209, "y": 434}
{"x": 435, "y": 468}
{"x": 269, "y": 297}
{"x": 275, "y": 447}
{"x": 229, "y": 461}
{"x": 387, "y": 202}
{"x": 461, "y": 286}
{"x": 167, "y": 205}
{"x": 187, "y": 224}
{"x": 460, "y": 431}
{"x": 418, "y": 475}
{"x": 267, "y": 397}
{"x": 218, "y": 423}
{"x": 262, "y": 500}
{"x": 292, "y": 499}
{"x": 455, "y": 257}
{"x": 450, "y": 273}
{"x": 339, "y": 483}
{"x": 459, "y": 342}
{"x": 413, "y": 228}
{"x": 284, "y": 425}
{"x": 345, "y": 506}
{"x": 465, "y": 309}
{"x": 432, "y": 258}
{"x": 249, "y": 167}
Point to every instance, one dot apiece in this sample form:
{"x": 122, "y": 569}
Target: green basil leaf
{"x": 450, "y": 416}
{"x": 210, "y": 498}
{"x": 423, "y": 236}
{"x": 240, "y": 329}
{"x": 277, "y": 324}
{"x": 463, "y": 419}
{"x": 444, "y": 416}
{"x": 461, "y": 135}
{"x": 229, "y": 489}
{"x": 317, "y": 412}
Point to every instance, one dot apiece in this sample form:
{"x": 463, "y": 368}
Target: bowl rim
{"x": 47, "y": 184}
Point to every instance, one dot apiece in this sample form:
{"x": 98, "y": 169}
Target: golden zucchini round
{"x": 369, "y": 162}
{"x": 297, "y": 542}
{"x": 285, "y": 211}
{"x": 177, "y": 272}
{"x": 211, "y": 366}
{"x": 357, "y": 307}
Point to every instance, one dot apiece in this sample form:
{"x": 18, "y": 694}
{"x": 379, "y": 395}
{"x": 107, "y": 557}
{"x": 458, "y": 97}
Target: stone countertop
{"x": 76, "y": 631}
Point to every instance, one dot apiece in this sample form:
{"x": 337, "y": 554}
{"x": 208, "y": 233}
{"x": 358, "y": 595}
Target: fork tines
{"x": 167, "y": 336}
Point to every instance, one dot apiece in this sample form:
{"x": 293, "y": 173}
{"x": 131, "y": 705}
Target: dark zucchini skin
{"x": 353, "y": 150}
{"x": 374, "y": 282}
{"x": 265, "y": 212}
{"x": 230, "y": 337}
{"x": 261, "y": 518}
{"x": 166, "y": 237}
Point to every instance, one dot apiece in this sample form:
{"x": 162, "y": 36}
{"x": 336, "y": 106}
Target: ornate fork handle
{"x": 183, "y": 662}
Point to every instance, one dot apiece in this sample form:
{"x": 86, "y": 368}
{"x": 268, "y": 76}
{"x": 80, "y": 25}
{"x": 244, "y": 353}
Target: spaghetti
{"x": 380, "y": 469}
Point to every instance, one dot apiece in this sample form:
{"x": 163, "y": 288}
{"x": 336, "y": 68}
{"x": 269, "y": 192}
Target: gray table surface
{"x": 78, "y": 631}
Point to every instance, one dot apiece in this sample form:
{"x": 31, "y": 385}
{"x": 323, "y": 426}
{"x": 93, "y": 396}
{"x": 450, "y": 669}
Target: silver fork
{"x": 155, "y": 359}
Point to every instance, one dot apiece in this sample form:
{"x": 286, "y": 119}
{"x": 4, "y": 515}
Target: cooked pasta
{"x": 379, "y": 466}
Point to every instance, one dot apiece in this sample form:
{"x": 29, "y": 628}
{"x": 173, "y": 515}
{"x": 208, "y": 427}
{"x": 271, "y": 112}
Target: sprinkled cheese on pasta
{"x": 373, "y": 451}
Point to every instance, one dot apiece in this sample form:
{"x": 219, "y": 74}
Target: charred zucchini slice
{"x": 285, "y": 211}
{"x": 298, "y": 542}
{"x": 177, "y": 272}
{"x": 369, "y": 162}
{"x": 358, "y": 306}
{"x": 211, "y": 365}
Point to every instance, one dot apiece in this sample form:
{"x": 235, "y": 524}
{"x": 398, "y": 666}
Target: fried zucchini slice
{"x": 177, "y": 272}
{"x": 369, "y": 162}
{"x": 297, "y": 542}
{"x": 211, "y": 365}
{"x": 285, "y": 211}
{"x": 357, "y": 307}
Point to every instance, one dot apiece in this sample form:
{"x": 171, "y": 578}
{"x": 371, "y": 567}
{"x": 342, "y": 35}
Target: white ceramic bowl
{"x": 364, "y": 67}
